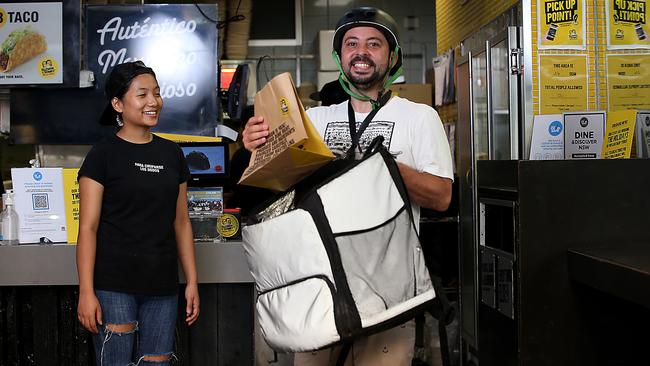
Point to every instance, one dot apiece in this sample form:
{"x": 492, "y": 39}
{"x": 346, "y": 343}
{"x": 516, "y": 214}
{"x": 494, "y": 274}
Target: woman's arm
{"x": 89, "y": 312}
{"x": 185, "y": 245}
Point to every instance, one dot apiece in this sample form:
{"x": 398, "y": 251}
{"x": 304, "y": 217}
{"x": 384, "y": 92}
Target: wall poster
{"x": 627, "y": 27}
{"x": 628, "y": 81}
{"x": 32, "y": 43}
{"x": 561, "y": 24}
{"x": 619, "y": 133}
{"x": 563, "y": 83}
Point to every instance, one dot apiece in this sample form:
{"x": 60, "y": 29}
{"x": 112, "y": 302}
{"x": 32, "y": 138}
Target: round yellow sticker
{"x": 48, "y": 67}
{"x": 227, "y": 225}
{"x": 3, "y": 17}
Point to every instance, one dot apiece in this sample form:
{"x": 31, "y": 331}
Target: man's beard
{"x": 364, "y": 83}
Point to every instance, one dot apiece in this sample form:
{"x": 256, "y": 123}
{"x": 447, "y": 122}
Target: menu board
{"x": 32, "y": 47}
{"x": 177, "y": 41}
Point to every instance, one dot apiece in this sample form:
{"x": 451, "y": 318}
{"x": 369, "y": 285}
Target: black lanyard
{"x": 356, "y": 135}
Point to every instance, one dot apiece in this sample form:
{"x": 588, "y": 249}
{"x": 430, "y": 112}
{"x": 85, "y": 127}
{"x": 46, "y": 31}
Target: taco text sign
{"x": 31, "y": 51}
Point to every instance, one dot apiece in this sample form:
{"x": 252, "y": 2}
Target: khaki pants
{"x": 393, "y": 347}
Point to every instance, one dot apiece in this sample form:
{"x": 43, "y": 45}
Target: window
{"x": 276, "y": 23}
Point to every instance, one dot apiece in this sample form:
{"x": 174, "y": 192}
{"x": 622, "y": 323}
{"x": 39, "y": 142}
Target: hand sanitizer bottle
{"x": 9, "y": 221}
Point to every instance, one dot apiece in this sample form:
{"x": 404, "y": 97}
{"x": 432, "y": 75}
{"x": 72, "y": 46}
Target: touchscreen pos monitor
{"x": 208, "y": 163}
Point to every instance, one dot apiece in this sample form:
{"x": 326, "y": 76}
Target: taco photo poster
{"x": 31, "y": 49}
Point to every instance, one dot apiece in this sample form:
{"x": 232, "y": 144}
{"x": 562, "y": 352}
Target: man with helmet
{"x": 369, "y": 57}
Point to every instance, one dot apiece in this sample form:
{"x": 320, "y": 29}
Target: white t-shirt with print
{"x": 413, "y": 134}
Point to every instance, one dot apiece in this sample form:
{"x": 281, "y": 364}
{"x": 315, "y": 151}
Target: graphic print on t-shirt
{"x": 151, "y": 168}
{"x": 337, "y": 136}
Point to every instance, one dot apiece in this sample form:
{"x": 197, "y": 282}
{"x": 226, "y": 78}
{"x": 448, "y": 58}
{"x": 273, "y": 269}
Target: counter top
{"x": 621, "y": 270}
{"x": 55, "y": 264}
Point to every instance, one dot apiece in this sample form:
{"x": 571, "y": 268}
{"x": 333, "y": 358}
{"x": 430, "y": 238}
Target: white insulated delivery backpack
{"x": 338, "y": 256}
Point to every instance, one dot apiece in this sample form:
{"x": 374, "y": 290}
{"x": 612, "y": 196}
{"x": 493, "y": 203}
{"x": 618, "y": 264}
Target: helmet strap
{"x": 345, "y": 83}
{"x": 357, "y": 94}
{"x": 388, "y": 80}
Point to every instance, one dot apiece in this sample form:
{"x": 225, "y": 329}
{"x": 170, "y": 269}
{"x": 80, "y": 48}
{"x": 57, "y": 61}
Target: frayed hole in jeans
{"x": 119, "y": 330}
{"x": 157, "y": 358}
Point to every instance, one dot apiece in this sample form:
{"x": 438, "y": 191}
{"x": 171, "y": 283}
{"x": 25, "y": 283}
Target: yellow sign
{"x": 628, "y": 82}
{"x": 561, "y": 24}
{"x": 562, "y": 83}
{"x": 71, "y": 195}
{"x": 187, "y": 138}
{"x": 48, "y": 67}
{"x": 619, "y": 134}
{"x": 627, "y": 24}
{"x": 3, "y": 17}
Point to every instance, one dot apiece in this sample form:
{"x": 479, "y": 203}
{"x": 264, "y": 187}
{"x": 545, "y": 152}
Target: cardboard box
{"x": 325, "y": 77}
{"x": 419, "y": 93}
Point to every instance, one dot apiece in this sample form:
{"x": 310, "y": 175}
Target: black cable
{"x": 205, "y": 16}
{"x": 257, "y": 69}
{"x": 236, "y": 18}
{"x": 222, "y": 24}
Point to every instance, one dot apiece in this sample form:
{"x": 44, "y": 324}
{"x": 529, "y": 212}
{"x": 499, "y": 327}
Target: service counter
{"x": 618, "y": 268}
{"x": 563, "y": 262}
{"x": 38, "y": 308}
{"x": 54, "y": 264}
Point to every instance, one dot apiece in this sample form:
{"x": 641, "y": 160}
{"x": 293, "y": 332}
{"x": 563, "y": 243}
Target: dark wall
{"x": 38, "y": 326}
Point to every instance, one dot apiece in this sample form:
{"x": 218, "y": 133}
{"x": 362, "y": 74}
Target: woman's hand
{"x": 192, "y": 301}
{"x": 255, "y": 133}
{"x": 89, "y": 312}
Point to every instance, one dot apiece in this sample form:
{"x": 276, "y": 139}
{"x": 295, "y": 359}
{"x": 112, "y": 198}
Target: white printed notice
{"x": 548, "y": 137}
{"x": 32, "y": 43}
{"x": 584, "y": 133}
{"x": 39, "y": 204}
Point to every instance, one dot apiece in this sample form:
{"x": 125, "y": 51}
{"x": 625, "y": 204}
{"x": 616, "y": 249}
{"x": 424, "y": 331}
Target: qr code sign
{"x": 40, "y": 201}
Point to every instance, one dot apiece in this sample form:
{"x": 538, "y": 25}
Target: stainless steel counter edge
{"x": 44, "y": 265}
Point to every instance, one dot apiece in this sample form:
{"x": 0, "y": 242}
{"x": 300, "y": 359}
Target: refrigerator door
{"x": 489, "y": 84}
{"x": 504, "y": 83}
{"x": 479, "y": 103}
{"x": 466, "y": 197}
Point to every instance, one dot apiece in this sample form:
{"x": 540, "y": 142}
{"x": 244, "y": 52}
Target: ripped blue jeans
{"x": 151, "y": 323}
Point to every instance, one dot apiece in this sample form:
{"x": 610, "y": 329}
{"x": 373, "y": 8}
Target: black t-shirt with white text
{"x": 136, "y": 244}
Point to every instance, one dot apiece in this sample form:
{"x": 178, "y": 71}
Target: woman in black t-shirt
{"x": 134, "y": 227}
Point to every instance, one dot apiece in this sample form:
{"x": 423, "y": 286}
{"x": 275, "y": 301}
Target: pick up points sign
{"x": 583, "y": 135}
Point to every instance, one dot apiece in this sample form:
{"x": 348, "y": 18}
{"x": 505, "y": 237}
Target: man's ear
{"x": 117, "y": 104}
{"x": 394, "y": 56}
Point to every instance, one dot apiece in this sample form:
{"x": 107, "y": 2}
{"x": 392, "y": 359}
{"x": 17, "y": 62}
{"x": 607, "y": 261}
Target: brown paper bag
{"x": 293, "y": 149}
